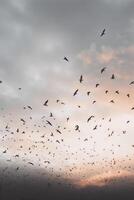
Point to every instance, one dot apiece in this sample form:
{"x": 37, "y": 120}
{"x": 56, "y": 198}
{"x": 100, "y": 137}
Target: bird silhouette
{"x": 76, "y": 91}
{"x": 81, "y": 79}
{"x": 131, "y": 83}
{"x": 103, "y": 69}
{"x": 113, "y": 76}
{"x": 46, "y": 103}
{"x": 66, "y": 59}
{"x": 103, "y": 32}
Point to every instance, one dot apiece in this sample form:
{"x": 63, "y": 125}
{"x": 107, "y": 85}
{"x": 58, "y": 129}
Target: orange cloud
{"x": 106, "y": 56}
{"x": 86, "y": 58}
{"x": 104, "y": 179}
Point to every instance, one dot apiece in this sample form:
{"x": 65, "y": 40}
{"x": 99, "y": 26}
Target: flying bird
{"x": 131, "y": 83}
{"x": 51, "y": 114}
{"x": 75, "y": 92}
{"x": 103, "y": 69}
{"x": 66, "y": 59}
{"x": 97, "y": 85}
{"x": 113, "y": 76}
{"x": 90, "y": 118}
{"x": 103, "y": 32}
{"x": 88, "y": 93}
{"x": 81, "y": 79}
{"x": 29, "y": 107}
{"x": 48, "y": 122}
{"x": 22, "y": 120}
{"x": 46, "y": 103}
{"x": 117, "y": 92}
{"x": 106, "y": 91}
{"x": 76, "y": 128}
{"x": 112, "y": 101}
{"x": 93, "y": 102}
{"x": 30, "y": 163}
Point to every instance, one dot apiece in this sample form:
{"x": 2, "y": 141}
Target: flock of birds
{"x": 48, "y": 130}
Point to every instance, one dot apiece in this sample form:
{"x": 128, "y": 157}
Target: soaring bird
{"x": 58, "y": 131}
{"x": 94, "y": 102}
{"x": 112, "y": 101}
{"x": 75, "y": 92}
{"x": 103, "y": 32}
{"x": 97, "y": 84}
{"x": 131, "y": 83}
{"x": 51, "y": 114}
{"x": 113, "y": 76}
{"x": 81, "y": 79}
{"x": 29, "y": 107}
{"x": 117, "y": 92}
{"x": 66, "y": 59}
{"x": 76, "y": 128}
{"x": 46, "y": 103}
{"x": 22, "y": 120}
{"x": 128, "y": 95}
{"x": 90, "y": 118}
{"x": 103, "y": 69}
{"x": 30, "y": 163}
{"x": 106, "y": 91}
{"x": 48, "y": 122}
{"x": 67, "y": 119}
{"x": 88, "y": 93}
{"x": 95, "y": 127}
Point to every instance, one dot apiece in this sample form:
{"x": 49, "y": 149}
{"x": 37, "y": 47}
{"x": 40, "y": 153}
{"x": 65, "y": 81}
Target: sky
{"x": 35, "y": 36}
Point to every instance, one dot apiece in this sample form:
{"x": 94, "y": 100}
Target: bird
{"x": 76, "y": 127}
{"x": 51, "y": 114}
{"x": 88, "y": 93}
{"x": 112, "y": 101}
{"x": 75, "y": 92}
{"x": 90, "y": 118}
{"x": 95, "y": 127}
{"x": 17, "y": 130}
{"x": 30, "y": 163}
{"x": 29, "y": 107}
{"x": 58, "y": 131}
{"x": 113, "y": 76}
{"x": 103, "y": 69}
{"x": 103, "y": 32}
{"x": 106, "y": 91}
{"x": 93, "y": 102}
{"x": 81, "y": 79}
{"x": 67, "y": 119}
{"x": 48, "y": 122}
{"x": 66, "y": 59}
{"x": 117, "y": 92}
{"x": 22, "y": 120}
{"x": 46, "y": 103}
{"x": 0, "y": 81}
{"x": 128, "y": 95}
{"x": 97, "y": 84}
{"x": 131, "y": 83}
